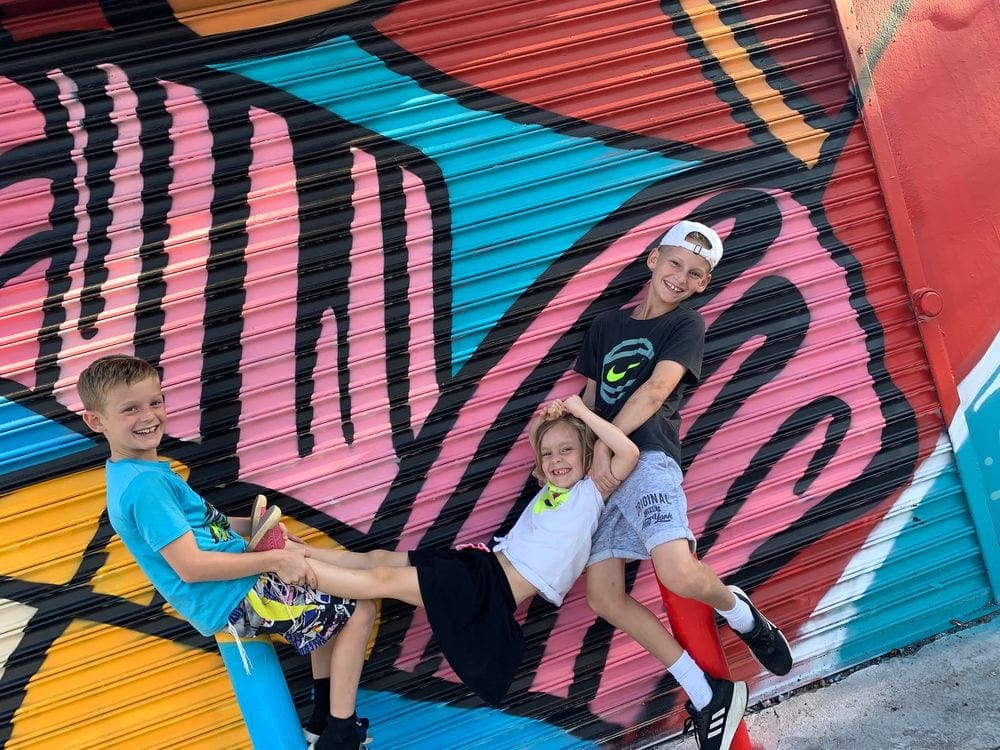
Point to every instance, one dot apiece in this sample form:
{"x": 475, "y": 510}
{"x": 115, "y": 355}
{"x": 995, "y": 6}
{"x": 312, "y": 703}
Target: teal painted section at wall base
{"x": 976, "y": 434}
{"x": 933, "y": 577}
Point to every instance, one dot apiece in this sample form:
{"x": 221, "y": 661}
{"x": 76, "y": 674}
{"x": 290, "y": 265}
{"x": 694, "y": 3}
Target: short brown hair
{"x": 105, "y": 373}
{"x": 586, "y": 435}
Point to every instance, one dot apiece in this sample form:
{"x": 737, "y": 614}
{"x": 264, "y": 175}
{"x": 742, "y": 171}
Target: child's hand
{"x": 291, "y": 566}
{"x": 600, "y": 470}
{"x": 575, "y": 406}
{"x": 553, "y": 410}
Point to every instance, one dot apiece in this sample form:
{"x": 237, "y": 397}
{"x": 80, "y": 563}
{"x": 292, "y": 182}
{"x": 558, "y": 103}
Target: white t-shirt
{"x": 550, "y": 546}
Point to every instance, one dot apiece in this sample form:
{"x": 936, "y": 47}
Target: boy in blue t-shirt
{"x": 638, "y": 363}
{"x": 195, "y": 557}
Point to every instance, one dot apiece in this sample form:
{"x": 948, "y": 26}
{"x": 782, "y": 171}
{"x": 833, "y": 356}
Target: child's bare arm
{"x": 649, "y": 396}
{"x": 194, "y": 564}
{"x": 624, "y": 453}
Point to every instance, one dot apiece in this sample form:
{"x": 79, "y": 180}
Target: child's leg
{"x": 606, "y": 595}
{"x": 685, "y": 575}
{"x": 347, "y": 657}
{"x": 319, "y": 661}
{"x": 368, "y": 583}
{"x": 377, "y": 558}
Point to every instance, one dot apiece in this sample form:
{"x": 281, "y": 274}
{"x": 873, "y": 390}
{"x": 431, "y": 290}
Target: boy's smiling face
{"x": 133, "y": 419}
{"x": 677, "y": 273}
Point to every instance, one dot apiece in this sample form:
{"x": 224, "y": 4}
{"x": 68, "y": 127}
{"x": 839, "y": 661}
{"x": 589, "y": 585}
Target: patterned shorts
{"x": 304, "y": 617}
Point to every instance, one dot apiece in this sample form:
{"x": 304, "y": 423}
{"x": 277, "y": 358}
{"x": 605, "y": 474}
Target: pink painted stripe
{"x": 269, "y": 311}
{"x": 420, "y": 248}
{"x": 115, "y": 325}
{"x": 187, "y": 247}
{"x": 21, "y": 121}
{"x": 347, "y": 481}
{"x": 20, "y": 323}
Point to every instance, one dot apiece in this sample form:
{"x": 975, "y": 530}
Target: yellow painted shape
{"x": 47, "y": 526}
{"x": 800, "y": 138}
{"x": 120, "y": 576}
{"x": 101, "y": 687}
{"x": 209, "y": 17}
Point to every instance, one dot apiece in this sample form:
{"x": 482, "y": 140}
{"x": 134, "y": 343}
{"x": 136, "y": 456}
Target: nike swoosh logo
{"x": 614, "y": 376}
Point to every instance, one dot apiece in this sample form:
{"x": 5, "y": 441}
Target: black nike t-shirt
{"x": 620, "y": 353}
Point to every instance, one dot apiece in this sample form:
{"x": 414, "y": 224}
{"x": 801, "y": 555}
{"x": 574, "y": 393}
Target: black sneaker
{"x": 328, "y": 741}
{"x": 765, "y": 641}
{"x": 312, "y": 736}
{"x": 715, "y": 725}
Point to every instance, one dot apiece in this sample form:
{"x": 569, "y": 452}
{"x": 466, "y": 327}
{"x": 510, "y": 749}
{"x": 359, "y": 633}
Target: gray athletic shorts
{"x": 648, "y": 509}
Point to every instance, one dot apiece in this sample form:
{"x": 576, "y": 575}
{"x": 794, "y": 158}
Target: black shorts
{"x": 470, "y": 608}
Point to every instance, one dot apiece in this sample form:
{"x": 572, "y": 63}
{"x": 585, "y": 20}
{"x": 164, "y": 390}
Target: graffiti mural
{"x": 362, "y": 242}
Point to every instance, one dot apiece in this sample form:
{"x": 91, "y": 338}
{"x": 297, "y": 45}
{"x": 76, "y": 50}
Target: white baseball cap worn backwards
{"x": 676, "y": 236}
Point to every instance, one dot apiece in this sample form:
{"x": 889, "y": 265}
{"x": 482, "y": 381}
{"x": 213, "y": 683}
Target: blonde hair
{"x": 105, "y": 373}
{"x": 584, "y": 433}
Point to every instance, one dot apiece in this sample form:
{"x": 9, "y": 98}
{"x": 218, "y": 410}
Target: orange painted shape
{"x": 208, "y": 17}
{"x": 801, "y": 139}
{"x": 47, "y": 526}
{"x": 121, "y": 577}
{"x": 102, "y": 686}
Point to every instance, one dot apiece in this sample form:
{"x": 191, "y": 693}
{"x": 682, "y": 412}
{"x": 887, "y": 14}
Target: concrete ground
{"x": 943, "y": 696}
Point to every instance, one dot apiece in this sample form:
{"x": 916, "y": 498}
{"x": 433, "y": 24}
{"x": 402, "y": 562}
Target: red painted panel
{"x": 604, "y": 62}
{"x": 28, "y": 20}
{"x": 946, "y": 158}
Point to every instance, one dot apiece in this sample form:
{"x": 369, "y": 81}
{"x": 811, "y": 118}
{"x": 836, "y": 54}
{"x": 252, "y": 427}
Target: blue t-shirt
{"x": 150, "y": 506}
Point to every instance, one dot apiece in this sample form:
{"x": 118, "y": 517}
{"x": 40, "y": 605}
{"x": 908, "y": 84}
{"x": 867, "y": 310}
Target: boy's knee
{"x": 603, "y": 601}
{"x": 364, "y": 612}
{"x": 684, "y": 579}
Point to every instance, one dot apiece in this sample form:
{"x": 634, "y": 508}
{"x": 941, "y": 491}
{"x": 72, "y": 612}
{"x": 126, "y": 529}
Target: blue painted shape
{"x": 28, "y": 439}
{"x": 398, "y": 723}
{"x": 933, "y": 575}
{"x": 978, "y": 457}
{"x": 520, "y": 195}
{"x": 262, "y": 695}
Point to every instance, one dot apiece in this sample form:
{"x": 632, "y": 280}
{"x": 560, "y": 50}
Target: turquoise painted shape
{"x": 28, "y": 439}
{"x": 262, "y": 694}
{"x": 978, "y": 458}
{"x": 520, "y": 194}
{"x": 933, "y": 574}
{"x": 446, "y": 726}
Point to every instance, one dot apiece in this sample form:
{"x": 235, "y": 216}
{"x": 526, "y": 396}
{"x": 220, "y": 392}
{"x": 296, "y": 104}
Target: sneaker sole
{"x": 734, "y": 717}
{"x": 257, "y": 512}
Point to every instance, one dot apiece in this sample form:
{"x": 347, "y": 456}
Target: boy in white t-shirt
{"x": 470, "y": 594}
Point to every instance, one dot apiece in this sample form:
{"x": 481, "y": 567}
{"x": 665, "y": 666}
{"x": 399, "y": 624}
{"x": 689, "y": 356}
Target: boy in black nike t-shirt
{"x": 638, "y": 364}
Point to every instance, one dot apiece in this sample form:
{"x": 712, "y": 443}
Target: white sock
{"x": 692, "y": 680}
{"x": 740, "y": 618}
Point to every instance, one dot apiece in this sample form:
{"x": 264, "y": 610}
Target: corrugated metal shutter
{"x": 363, "y": 243}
